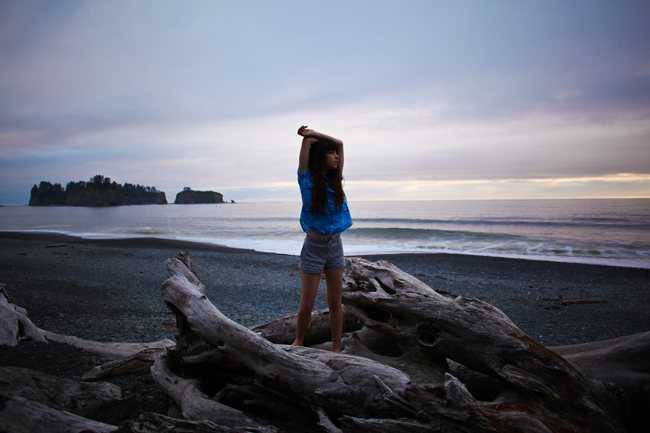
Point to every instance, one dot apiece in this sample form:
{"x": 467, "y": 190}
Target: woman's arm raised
{"x": 310, "y": 137}
{"x": 307, "y": 141}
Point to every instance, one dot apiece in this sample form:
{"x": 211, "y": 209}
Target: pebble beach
{"x": 109, "y": 290}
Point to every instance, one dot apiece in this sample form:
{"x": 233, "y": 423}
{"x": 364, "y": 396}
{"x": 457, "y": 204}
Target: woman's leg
{"x": 308, "y": 290}
{"x": 334, "y": 281}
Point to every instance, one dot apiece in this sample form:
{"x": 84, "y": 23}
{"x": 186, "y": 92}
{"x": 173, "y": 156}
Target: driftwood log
{"x": 14, "y": 324}
{"x": 19, "y": 415}
{"x": 59, "y": 393}
{"x": 156, "y": 423}
{"x": 112, "y": 351}
{"x": 405, "y": 386}
{"x": 138, "y": 363}
{"x": 283, "y": 330}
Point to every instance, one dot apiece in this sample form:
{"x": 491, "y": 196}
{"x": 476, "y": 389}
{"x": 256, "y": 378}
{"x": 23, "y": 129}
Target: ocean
{"x": 597, "y": 231}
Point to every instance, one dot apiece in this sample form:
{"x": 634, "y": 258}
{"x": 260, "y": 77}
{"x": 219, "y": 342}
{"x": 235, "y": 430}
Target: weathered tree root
{"x": 197, "y": 406}
{"x": 427, "y": 325}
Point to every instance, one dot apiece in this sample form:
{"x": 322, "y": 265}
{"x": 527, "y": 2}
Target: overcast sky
{"x": 433, "y": 99}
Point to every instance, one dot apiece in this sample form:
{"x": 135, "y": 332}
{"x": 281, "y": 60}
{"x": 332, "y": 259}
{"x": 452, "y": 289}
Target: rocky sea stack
{"x": 188, "y": 196}
{"x": 98, "y": 191}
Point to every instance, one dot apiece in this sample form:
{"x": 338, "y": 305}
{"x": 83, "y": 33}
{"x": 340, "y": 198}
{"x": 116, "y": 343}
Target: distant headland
{"x": 98, "y": 191}
{"x": 189, "y": 196}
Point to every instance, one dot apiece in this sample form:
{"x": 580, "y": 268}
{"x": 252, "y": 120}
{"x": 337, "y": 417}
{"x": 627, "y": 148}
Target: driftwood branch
{"x": 156, "y": 423}
{"x": 19, "y": 415}
{"x": 60, "y": 393}
{"x": 324, "y": 422}
{"x": 138, "y": 363}
{"x": 112, "y": 351}
{"x": 567, "y": 301}
{"x": 14, "y": 324}
{"x": 197, "y": 406}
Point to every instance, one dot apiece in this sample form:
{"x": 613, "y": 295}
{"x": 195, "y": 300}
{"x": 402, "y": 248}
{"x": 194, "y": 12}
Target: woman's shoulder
{"x": 304, "y": 180}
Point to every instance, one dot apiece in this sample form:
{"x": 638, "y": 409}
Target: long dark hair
{"x": 317, "y": 166}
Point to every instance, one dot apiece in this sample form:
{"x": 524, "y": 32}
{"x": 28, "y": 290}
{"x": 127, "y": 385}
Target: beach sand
{"x": 109, "y": 290}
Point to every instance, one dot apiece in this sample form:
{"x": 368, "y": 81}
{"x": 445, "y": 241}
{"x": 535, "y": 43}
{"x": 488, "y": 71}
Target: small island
{"x": 189, "y": 196}
{"x": 98, "y": 191}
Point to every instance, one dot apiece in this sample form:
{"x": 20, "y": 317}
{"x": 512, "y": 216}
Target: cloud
{"x": 635, "y": 186}
{"x": 209, "y": 94}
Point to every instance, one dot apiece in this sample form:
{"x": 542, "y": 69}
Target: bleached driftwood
{"x": 138, "y": 363}
{"x": 317, "y": 376}
{"x": 156, "y": 423}
{"x": 279, "y": 331}
{"x": 112, "y": 351}
{"x": 60, "y": 393}
{"x": 127, "y": 357}
{"x": 624, "y": 361}
{"x": 283, "y": 330}
{"x": 324, "y": 422}
{"x": 567, "y": 301}
{"x": 14, "y": 324}
{"x": 543, "y": 392}
{"x": 195, "y": 405}
{"x": 427, "y": 325}
{"x": 19, "y": 415}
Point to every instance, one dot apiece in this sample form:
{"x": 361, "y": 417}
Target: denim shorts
{"x": 318, "y": 254}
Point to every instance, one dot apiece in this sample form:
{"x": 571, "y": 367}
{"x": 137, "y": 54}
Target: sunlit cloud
{"x": 622, "y": 185}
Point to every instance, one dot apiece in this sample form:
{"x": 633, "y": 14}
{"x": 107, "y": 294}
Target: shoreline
{"x": 154, "y": 242}
{"x": 253, "y": 287}
{"x": 135, "y": 242}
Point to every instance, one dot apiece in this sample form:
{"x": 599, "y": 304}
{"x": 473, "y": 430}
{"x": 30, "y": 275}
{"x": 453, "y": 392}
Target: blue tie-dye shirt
{"x": 333, "y": 221}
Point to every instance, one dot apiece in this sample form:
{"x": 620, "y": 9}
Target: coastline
{"x": 134, "y": 242}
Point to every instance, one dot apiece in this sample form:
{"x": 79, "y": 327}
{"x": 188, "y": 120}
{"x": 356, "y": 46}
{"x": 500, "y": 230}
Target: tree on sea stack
{"x": 393, "y": 377}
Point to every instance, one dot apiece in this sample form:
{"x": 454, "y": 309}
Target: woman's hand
{"x": 303, "y": 131}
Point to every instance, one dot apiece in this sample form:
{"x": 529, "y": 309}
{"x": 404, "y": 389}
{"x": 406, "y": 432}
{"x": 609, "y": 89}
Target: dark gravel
{"x": 110, "y": 291}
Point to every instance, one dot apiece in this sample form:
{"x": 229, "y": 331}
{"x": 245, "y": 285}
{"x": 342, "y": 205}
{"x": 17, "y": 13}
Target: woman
{"x": 324, "y": 216}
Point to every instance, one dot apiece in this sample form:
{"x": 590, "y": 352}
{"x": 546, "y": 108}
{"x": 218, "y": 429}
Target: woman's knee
{"x": 334, "y": 300}
{"x": 306, "y": 305}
